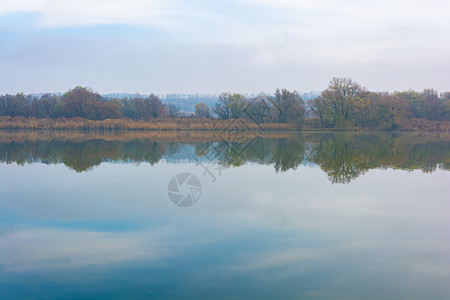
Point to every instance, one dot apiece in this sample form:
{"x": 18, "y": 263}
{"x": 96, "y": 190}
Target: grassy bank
{"x": 195, "y": 124}
{"x": 128, "y": 124}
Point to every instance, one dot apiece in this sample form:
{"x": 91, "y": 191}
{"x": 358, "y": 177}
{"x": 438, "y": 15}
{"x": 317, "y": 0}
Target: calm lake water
{"x": 224, "y": 216}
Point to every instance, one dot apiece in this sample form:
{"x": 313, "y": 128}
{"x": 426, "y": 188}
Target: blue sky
{"x": 216, "y": 46}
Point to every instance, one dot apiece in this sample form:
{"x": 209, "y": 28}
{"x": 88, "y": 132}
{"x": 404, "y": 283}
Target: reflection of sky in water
{"x": 112, "y": 232}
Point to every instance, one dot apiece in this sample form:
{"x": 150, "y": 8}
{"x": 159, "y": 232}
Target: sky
{"x": 209, "y": 46}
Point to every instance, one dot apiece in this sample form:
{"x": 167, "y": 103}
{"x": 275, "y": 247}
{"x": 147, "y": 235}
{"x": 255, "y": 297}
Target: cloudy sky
{"x": 215, "y": 46}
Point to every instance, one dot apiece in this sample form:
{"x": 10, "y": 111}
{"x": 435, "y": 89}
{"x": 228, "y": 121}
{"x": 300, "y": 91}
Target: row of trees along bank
{"x": 344, "y": 104}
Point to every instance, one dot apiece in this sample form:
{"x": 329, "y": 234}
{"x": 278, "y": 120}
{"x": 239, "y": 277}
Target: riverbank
{"x": 194, "y": 124}
{"x": 197, "y": 124}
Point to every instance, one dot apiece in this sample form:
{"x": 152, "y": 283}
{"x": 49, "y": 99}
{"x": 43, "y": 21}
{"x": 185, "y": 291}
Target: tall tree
{"x": 202, "y": 110}
{"x": 47, "y": 106}
{"x": 230, "y": 106}
{"x": 435, "y": 110}
{"x": 392, "y": 112}
{"x": 287, "y": 105}
{"x": 445, "y": 98}
{"x": 418, "y": 104}
{"x": 78, "y": 102}
{"x": 319, "y": 108}
{"x": 156, "y": 108}
{"x": 340, "y": 96}
{"x": 139, "y": 108}
{"x": 258, "y": 109}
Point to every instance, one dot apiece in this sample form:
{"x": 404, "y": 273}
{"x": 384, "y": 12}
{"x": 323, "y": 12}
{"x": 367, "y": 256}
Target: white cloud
{"x": 92, "y": 12}
{"x": 57, "y": 248}
{"x": 263, "y": 33}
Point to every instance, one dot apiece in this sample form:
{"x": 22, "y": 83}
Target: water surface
{"x": 280, "y": 216}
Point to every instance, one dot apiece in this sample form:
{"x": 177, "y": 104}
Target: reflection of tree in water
{"x": 284, "y": 154}
{"x": 81, "y": 156}
{"x": 428, "y": 157}
{"x": 230, "y": 154}
{"x": 227, "y": 153}
{"x": 172, "y": 148}
{"x": 202, "y": 149}
{"x": 143, "y": 151}
{"x": 343, "y": 157}
{"x": 288, "y": 154}
{"x": 29, "y": 152}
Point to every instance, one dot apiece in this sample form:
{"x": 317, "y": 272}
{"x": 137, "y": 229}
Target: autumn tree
{"x": 287, "y": 106}
{"x": 202, "y": 110}
{"x": 365, "y": 110}
{"x": 340, "y": 97}
{"x": 445, "y": 95}
{"x": 435, "y": 109}
{"x": 319, "y": 108}
{"x": 258, "y": 109}
{"x": 230, "y": 106}
{"x": 47, "y": 106}
{"x": 139, "y": 108}
{"x": 392, "y": 112}
{"x": 78, "y": 102}
{"x": 154, "y": 107}
{"x": 417, "y": 103}
{"x": 16, "y": 105}
{"x": 109, "y": 109}
{"x": 445, "y": 98}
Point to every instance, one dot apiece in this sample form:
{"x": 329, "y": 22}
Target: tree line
{"x": 344, "y": 104}
{"x": 84, "y": 103}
